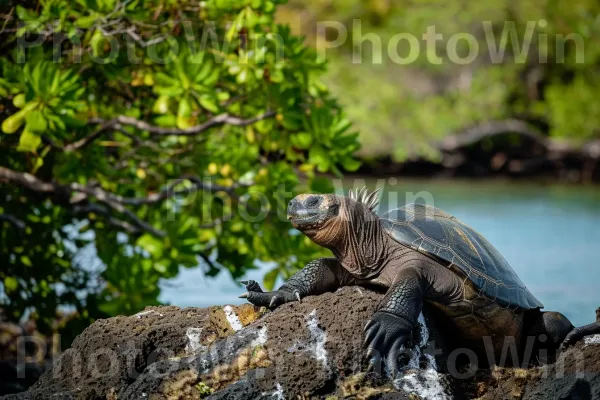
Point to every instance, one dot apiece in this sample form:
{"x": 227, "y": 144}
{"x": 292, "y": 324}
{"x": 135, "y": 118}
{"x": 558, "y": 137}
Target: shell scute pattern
{"x": 440, "y": 235}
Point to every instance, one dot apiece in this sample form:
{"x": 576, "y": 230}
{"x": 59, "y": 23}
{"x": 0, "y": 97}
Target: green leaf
{"x": 166, "y": 120}
{"x": 25, "y": 14}
{"x": 19, "y": 100}
{"x": 29, "y": 141}
{"x": 223, "y": 96}
{"x": 171, "y": 91}
{"x": 350, "y": 164}
{"x": 163, "y": 79}
{"x": 242, "y": 76}
{"x": 36, "y": 123}
{"x": 86, "y": 22}
{"x": 318, "y": 156}
{"x": 342, "y": 126}
{"x": 14, "y": 122}
{"x": 185, "y": 108}
{"x": 291, "y": 122}
{"x": 269, "y": 6}
{"x": 152, "y": 245}
{"x": 209, "y": 103}
{"x": 97, "y": 43}
{"x": 26, "y": 261}
{"x": 276, "y": 76}
{"x": 161, "y": 105}
{"x": 301, "y": 140}
{"x": 39, "y": 162}
{"x": 10, "y": 284}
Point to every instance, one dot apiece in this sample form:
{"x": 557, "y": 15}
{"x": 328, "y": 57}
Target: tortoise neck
{"x": 362, "y": 246}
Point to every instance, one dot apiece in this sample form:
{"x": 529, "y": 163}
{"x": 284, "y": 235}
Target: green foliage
{"x": 157, "y": 137}
{"x": 401, "y": 109}
{"x": 574, "y": 109}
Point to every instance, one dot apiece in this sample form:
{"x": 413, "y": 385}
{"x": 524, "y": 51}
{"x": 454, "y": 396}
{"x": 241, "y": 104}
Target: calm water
{"x": 549, "y": 234}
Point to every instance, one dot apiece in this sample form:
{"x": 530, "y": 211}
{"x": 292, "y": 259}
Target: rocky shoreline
{"x": 508, "y": 149}
{"x": 311, "y": 349}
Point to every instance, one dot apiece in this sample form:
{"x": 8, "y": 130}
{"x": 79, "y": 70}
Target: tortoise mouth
{"x": 304, "y": 217}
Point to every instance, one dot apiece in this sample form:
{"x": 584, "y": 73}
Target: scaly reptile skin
{"x": 319, "y": 276}
{"x": 366, "y": 254}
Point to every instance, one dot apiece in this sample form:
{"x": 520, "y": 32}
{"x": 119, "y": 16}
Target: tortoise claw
{"x": 297, "y": 294}
{"x": 374, "y": 364}
{"x": 272, "y": 303}
{"x": 243, "y": 296}
{"x": 244, "y": 282}
{"x": 370, "y": 335}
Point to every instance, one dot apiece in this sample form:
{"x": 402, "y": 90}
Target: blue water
{"x": 549, "y": 234}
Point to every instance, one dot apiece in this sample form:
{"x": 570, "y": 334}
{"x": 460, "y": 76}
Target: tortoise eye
{"x": 312, "y": 201}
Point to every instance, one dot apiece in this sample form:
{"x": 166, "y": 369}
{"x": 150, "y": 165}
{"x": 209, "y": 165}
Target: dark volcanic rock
{"x": 311, "y": 349}
{"x": 576, "y": 376}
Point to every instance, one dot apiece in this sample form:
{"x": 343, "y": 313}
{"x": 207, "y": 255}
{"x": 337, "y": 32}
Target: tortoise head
{"x": 327, "y": 218}
{"x": 313, "y": 212}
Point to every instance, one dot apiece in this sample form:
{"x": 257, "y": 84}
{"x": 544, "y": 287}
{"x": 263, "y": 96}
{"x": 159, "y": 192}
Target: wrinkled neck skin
{"x": 356, "y": 238}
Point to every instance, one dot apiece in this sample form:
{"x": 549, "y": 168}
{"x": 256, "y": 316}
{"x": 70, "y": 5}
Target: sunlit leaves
{"x": 29, "y": 141}
{"x": 10, "y": 284}
{"x": 249, "y": 172}
{"x": 48, "y": 103}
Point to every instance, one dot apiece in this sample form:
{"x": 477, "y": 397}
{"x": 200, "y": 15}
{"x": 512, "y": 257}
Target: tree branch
{"x": 89, "y": 139}
{"x": 122, "y": 120}
{"x": 220, "y": 119}
{"x": 490, "y": 129}
{"x": 98, "y": 209}
{"x": 110, "y": 200}
{"x": 78, "y": 197}
{"x": 26, "y": 180}
{"x": 17, "y": 223}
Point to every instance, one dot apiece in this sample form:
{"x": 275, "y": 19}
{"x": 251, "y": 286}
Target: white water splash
{"x": 233, "y": 319}
{"x": 590, "y": 340}
{"x": 193, "y": 345}
{"x": 261, "y": 339}
{"x": 425, "y": 382}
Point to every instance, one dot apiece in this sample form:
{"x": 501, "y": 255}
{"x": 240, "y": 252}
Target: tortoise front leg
{"x": 391, "y": 325}
{"x": 319, "y": 276}
{"x": 417, "y": 280}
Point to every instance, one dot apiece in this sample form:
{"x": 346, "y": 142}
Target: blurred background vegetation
{"x": 148, "y": 163}
{"x": 411, "y": 106}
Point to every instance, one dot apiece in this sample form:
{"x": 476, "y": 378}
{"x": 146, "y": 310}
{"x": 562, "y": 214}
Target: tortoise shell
{"x": 441, "y": 236}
